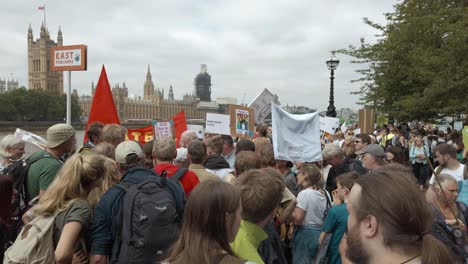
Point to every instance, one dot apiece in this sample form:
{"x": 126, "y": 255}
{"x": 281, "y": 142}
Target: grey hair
{"x": 164, "y": 149}
{"x": 331, "y": 150}
{"x": 8, "y": 141}
{"x": 187, "y": 137}
{"x": 444, "y": 179}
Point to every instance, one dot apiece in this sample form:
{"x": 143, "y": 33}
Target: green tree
{"x": 36, "y": 105}
{"x": 418, "y": 67}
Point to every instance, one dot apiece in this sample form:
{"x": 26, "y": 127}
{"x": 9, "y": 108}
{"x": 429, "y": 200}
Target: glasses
{"x": 357, "y": 141}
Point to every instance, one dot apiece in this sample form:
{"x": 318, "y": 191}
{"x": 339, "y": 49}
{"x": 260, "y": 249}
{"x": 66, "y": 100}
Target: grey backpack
{"x": 150, "y": 213}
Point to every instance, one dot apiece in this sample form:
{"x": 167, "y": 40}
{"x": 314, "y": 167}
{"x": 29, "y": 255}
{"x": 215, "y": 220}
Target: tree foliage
{"x": 36, "y": 105}
{"x": 417, "y": 69}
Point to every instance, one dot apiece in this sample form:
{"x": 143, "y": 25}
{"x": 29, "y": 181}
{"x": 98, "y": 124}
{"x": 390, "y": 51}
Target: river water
{"x": 30, "y": 148}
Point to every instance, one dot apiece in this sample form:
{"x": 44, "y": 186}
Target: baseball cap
{"x": 373, "y": 149}
{"x": 126, "y": 148}
{"x": 59, "y": 134}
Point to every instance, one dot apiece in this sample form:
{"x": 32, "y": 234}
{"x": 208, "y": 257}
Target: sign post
{"x": 69, "y": 58}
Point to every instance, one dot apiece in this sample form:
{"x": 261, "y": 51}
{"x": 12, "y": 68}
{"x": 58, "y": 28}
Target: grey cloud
{"x": 248, "y": 45}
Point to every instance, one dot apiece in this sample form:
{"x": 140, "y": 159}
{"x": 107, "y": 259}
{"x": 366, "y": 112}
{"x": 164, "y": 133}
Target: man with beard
{"x": 390, "y": 222}
{"x": 446, "y": 155}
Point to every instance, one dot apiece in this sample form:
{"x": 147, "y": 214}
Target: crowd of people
{"x": 374, "y": 198}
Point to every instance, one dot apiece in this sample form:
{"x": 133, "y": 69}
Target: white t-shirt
{"x": 314, "y": 204}
{"x": 457, "y": 174}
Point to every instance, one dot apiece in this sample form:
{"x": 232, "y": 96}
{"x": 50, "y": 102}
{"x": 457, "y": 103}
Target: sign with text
{"x": 69, "y": 58}
{"x": 163, "y": 129}
{"x": 218, "y": 124}
{"x": 262, "y": 105}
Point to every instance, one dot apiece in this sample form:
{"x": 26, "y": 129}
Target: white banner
{"x": 218, "y": 124}
{"x": 262, "y": 105}
{"x": 329, "y": 124}
{"x": 30, "y": 138}
{"x": 200, "y": 130}
{"x": 296, "y": 137}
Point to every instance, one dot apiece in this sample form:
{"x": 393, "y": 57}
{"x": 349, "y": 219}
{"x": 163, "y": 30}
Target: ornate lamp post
{"x": 332, "y": 64}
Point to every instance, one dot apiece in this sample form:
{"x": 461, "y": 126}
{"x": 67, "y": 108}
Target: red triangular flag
{"x": 180, "y": 126}
{"x": 102, "y": 108}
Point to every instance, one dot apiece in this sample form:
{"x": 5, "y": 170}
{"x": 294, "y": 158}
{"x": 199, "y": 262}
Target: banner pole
{"x": 69, "y": 99}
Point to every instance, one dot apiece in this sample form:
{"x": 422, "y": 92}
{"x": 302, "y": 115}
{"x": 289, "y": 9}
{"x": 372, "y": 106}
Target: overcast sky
{"x": 247, "y": 45}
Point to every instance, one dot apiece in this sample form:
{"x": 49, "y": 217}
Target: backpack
{"x": 18, "y": 171}
{"x": 34, "y": 244}
{"x": 149, "y": 217}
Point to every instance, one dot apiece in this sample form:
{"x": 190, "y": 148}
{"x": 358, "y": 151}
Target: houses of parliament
{"x": 153, "y": 105}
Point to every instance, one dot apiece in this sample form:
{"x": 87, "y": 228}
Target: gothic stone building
{"x": 39, "y": 54}
{"x": 153, "y": 105}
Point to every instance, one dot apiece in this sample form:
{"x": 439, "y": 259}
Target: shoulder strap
{"x": 465, "y": 172}
{"x": 178, "y": 174}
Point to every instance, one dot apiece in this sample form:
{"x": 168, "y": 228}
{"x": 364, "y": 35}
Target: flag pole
{"x": 45, "y": 24}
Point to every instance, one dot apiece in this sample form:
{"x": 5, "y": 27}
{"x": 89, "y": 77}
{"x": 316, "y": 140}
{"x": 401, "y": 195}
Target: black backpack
{"x": 18, "y": 171}
{"x": 149, "y": 217}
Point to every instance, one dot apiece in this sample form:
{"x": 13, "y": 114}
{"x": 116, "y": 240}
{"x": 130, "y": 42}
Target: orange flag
{"x": 102, "y": 108}
{"x": 180, "y": 126}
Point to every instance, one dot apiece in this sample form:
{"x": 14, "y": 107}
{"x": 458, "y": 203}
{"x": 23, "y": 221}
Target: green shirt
{"x": 78, "y": 211}
{"x": 41, "y": 173}
{"x": 335, "y": 223}
{"x": 247, "y": 240}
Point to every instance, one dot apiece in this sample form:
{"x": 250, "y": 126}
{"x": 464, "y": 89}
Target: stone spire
{"x": 171, "y": 94}
{"x": 60, "y": 37}
{"x": 148, "y": 88}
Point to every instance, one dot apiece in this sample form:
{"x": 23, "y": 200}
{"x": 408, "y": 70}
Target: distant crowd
{"x": 396, "y": 195}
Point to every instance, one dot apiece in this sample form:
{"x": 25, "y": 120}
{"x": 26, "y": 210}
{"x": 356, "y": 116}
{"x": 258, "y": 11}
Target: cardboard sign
{"x": 262, "y": 105}
{"x": 242, "y": 121}
{"x": 218, "y": 124}
{"x": 69, "y": 58}
{"x": 366, "y": 120}
{"x": 329, "y": 124}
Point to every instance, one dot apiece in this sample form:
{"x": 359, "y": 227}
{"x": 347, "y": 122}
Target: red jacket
{"x": 188, "y": 181}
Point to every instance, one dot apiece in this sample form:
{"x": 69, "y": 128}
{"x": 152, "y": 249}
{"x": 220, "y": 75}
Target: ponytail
{"x": 436, "y": 252}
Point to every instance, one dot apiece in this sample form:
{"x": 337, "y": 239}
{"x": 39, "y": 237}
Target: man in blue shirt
{"x": 337, "y": 216}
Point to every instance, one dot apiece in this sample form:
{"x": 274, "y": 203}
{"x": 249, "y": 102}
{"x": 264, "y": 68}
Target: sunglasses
{"x": 357, "y": 141}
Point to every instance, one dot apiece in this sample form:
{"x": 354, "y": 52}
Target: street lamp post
{"x": 332, "y": 64}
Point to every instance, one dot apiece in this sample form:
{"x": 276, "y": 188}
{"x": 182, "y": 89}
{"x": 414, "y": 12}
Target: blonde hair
{"x": 73, "y": 181}
{"x": 9, "y": 141}
{"x": 111, "y": 177}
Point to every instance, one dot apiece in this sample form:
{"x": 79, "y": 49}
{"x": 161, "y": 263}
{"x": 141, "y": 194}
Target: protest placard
{"x": 329, "y": 124}
{"x": 200, "y": 130}
{"x": 262, "y": 105}
{"x": 242, "y": 121}
{"x": 218, "y": 124}
{"x": 30, "y": 138}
